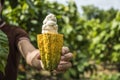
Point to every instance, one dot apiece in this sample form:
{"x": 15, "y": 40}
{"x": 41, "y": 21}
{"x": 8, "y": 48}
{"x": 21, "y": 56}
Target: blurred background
{"x": 91, "y": 30}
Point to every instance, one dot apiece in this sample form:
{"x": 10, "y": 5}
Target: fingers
{"x": 63, "y": 66}
{"x": 65, "y": 50}
{"x": 64, "y": 63}
{"x": 67, "y": 57}
{"x": 30, "y": 56}
{"x": 39, "y": 57}
{"x": 36, "y": 62}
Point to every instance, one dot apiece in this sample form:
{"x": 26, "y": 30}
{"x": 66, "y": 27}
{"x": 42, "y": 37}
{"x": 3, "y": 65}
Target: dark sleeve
{"x": 14, "y": 34}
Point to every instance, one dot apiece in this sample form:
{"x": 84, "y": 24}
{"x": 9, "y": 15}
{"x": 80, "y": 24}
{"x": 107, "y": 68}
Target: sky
{"x": 102, "y": 4}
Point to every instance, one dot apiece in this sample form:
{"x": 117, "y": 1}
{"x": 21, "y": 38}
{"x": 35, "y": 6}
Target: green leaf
{"x": 30, "y": 3}
{"x": 13, "y": 3}
{"x": 1, "y": 67}
{"x": 73, "y": 72}
{"x": 3, "y": 50}
{"x": 79, "y": 37}
{"x": 116, "y": 47}
{"x": 115, "y": 56}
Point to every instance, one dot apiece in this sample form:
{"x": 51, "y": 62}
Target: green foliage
{"x": 93, "y": 12}
{"x": 106, "y": 77}
{"x": 93, "y": 38}
{"x": 3, "y": 50}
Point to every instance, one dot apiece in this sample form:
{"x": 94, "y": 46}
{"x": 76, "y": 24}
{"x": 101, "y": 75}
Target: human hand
{"x": 64, "y": 64}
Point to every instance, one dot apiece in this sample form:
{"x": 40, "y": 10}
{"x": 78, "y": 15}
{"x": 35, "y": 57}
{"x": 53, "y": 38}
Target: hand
{"x": 64, "y": 64}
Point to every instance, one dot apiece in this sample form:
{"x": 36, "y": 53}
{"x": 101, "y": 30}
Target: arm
{"x": 20, "y": 39}
{"x": 31, "y": 55}
{"x": 29, "y": 52}
{"x": 25, "y": 47}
